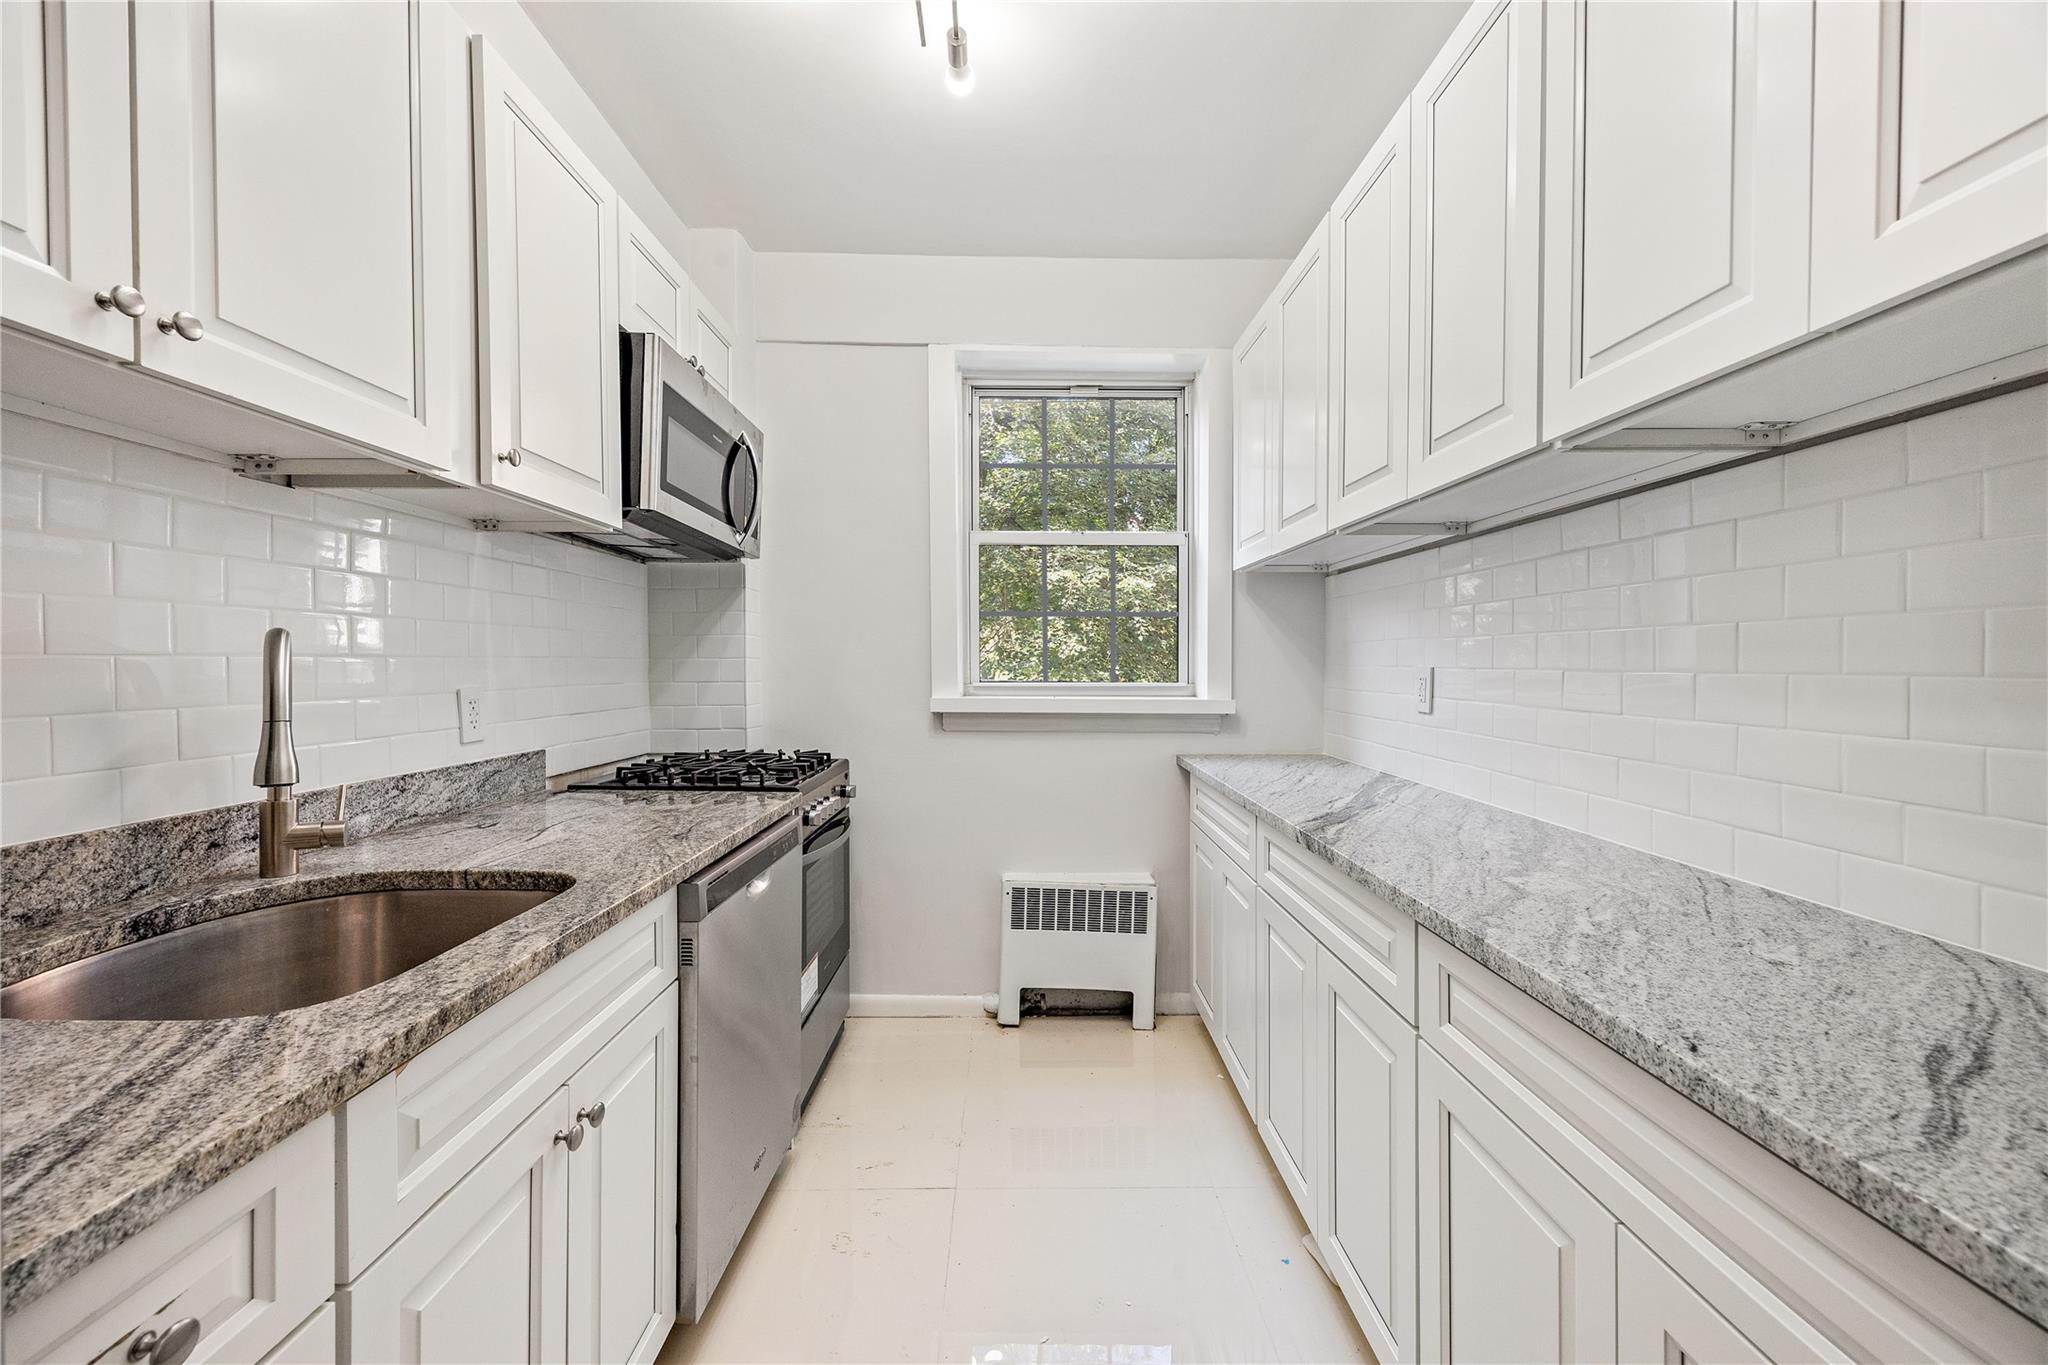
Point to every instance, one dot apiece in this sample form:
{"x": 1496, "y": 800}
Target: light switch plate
{"x": 1425, "y": 690}
{"x": 469, "y": 712}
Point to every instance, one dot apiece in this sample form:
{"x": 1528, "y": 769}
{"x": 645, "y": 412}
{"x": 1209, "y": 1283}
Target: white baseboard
{"x": 914, "y": 1006}
{"x": 970, "y": 1006}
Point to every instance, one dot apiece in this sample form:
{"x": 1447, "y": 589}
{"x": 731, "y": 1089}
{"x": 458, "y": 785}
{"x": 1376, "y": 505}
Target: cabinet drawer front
{"x": 1371, "y": 937}
{"x": 1230, "y": 826}
{"x": 249, "y": 1257}
{"x": 413, "y": 1134}
{"x": 312, "y": 1344}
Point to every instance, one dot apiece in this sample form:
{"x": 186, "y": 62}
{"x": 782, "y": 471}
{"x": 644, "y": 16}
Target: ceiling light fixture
{"x": 959, "y": 75}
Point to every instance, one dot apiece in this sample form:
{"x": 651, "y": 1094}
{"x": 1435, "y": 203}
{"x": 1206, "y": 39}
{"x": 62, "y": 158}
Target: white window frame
{"x": 1203, "y": 696}
{"x": 1178, "y": 538}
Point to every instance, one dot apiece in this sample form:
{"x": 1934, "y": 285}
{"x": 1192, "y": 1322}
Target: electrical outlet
{"x": 469, "y": 713}
{"x": 1425, "y": 690}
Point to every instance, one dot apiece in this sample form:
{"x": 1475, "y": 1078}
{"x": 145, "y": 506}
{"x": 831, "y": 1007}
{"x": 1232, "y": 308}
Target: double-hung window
{"x": 1079, "y": 562}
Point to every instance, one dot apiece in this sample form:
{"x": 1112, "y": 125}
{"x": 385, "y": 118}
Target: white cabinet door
{"x": 1287, "y": 1050}
{"x": 1515, "y": 1260}
{"x": 1365, "y": 1143}
{"x": 298, "y": 182}
{"x": 1476, "y": 122}
{"x": 712, "y": 349}
{"x": 1300, "y": 477}
{"x": 1369, "y": 332}
{"x": 1674, "y": 199}
{"x": 548, "y": 305}
{"x": 1205, "y": 885}
{"x": 1255, "y": 407}
{"x": 622, "y": 1192}
{"x": 67, "y": 228}
{"x": 483, "y": 1276}
{"x": 654, "y": 293}
{"x": 1237, "y": 952}
{"x": 1930, "y": 145}
{"x": 1662, "y": 1320}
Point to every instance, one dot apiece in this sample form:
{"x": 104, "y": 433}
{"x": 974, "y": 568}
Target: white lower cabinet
{"x": 1365, "y": 1153}
{"x": 1204, "y": 884}
{"x": 1660, "y": 1318}
{"x": 1286, "y": 1079}
{"x": 484, "y": 1276}
{"x": 1237, "y": 938}
{"x": 1516, "y": 1260}
{"x": 314, "y": 1342}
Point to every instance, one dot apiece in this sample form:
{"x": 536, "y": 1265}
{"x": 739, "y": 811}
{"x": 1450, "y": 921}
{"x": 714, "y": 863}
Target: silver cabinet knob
{"x": 510, "y": 457}
{"x": 572, "y": 1139}
{"x": 183, "y": 324}
{"x": 124, "y": 299}
{"x": 168, "y": 1347}
{"x": 595, "y": 1114}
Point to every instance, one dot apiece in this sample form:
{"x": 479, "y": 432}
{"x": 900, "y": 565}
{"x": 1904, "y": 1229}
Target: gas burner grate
{"x": 761, "y": 770}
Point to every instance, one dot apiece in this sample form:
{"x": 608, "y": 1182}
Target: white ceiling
{"x": 1096, "y": 129}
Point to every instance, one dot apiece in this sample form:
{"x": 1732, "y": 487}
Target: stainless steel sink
{"x": 281, "y": 957}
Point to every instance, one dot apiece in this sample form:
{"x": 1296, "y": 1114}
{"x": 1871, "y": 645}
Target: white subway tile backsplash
{"x": 150, "y": 577}
{"x": 1852, "y": 706}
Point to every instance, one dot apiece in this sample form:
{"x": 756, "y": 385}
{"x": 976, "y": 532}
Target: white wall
{"x": 942, "y": 817}
{"x": 1821, "y": 672}
{"x": 138, "y": 584}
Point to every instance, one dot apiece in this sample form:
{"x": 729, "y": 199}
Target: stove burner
{"x": 758, "y": 770}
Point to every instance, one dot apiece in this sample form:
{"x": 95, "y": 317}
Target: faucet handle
{"x": 341, "y": 804}
{"x": 334, "y": 834}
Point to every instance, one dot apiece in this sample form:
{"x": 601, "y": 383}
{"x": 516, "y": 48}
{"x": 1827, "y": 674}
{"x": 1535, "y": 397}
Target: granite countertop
{"x": 107, "y": 1126}
{"x": 1907, "y": 1075}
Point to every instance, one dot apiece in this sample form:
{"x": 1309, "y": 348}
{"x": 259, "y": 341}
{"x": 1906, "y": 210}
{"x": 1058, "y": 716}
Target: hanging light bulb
{"x": 959, "y": 75}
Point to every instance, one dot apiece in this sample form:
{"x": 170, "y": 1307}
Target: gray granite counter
{"x": 107, "y": 1126}
{"x": 1907, "y": 1075}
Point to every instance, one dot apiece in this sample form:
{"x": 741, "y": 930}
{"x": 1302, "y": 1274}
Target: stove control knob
{"x": 844, "y": 790}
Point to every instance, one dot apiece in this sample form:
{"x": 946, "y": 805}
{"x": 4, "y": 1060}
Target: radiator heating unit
{"x": 1078, "y": 935}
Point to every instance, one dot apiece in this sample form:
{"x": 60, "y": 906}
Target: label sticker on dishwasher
{"x": 810, "y": 984}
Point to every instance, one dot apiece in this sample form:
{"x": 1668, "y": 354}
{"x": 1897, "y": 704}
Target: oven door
{"x": 828, "y": 903}
{"x": 692, "y": 463}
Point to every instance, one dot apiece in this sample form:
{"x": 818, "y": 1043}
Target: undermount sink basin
{"x": 280, "y": 957}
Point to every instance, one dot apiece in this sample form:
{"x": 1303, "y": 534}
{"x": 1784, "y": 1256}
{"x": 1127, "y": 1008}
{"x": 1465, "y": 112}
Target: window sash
{"x": 1180, "y": 538}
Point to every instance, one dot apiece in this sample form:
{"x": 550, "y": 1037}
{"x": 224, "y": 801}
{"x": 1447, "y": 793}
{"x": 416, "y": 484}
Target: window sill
{"x": 1187, "y": 715}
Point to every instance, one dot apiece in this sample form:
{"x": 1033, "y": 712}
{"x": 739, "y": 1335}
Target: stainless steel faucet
{"x": 279, "y": 835}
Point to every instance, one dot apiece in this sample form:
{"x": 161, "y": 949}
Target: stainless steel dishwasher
{"x": 742, "y": 935}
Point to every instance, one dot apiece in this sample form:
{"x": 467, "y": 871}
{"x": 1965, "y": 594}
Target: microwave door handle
{"x": 753, "y": 462}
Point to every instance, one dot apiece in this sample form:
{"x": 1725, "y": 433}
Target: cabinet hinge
{"x": 1763, "y": 433}
{"x": 254, "y": 466}
{"x": 483, "y": 523}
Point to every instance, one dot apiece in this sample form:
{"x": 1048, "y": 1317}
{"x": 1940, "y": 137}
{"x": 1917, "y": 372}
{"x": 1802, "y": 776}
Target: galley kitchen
{"x": 1003, "y": 681}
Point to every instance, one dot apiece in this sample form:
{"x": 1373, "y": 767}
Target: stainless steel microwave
{"x": 692, "y": 475}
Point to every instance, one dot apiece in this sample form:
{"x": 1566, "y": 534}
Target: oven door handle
{"x": 819, "y": 842}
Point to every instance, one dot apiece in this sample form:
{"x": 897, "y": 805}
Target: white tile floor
{"x": 1070, "y": 1191}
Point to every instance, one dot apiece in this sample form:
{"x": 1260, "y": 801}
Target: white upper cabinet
{"x": 1930, "y": 145}
{"x": 714, "y": 343}
{"x": 1300, "y": 475}
{"x": 65, "y": 207}
{"x": 548, "y": 305}
{"x": 654, "y": 293}
{"x": 1476, "y": 121}
{"x": 1369, "y": 332}
{"x": 1675, "y": 206}
{"x": 1254, "y": 407}
{"x": 299, "y": 216}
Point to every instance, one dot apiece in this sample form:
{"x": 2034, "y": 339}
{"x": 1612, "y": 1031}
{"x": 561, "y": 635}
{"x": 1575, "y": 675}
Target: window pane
{"x": 1012, "y": 500}
{"x": 1147, "y": 649}
{"x": 1078, "y": 649}
{"x": 1010, "y": 649}
{"x": 1148, "y": 578}
{"x": 1010, "y": 578}
{"x": 1077, "y": 431}
{"x": 1077, "y": 577}
{"x": 1079, "y": 500}
{"x": 1146, "y": 498}
{"x": 1010, "y": 430}
{"x": 1145, "y": 431}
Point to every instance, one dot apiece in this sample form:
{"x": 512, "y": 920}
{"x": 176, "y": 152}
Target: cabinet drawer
{"x": 249, "y": 1257}
{"x": 1365, "y": 932}
{"x": 408, "y": 1138}
{"x": 313, "y": 1344}
{"x": 1231, "y": 826}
